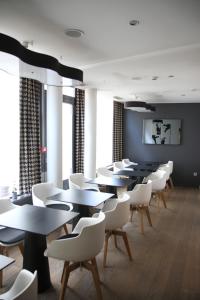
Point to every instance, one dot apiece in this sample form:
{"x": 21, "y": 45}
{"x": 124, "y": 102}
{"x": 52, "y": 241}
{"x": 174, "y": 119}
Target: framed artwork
{"x": 161, "y": 131}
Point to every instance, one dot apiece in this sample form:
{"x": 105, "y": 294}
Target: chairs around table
{"x": 140, "y": 198}
{"x": 24, "y": 287}
{"x": 116, "y": 216}
{"x": 40, "y": 193}
{"x": 80, "y": 249}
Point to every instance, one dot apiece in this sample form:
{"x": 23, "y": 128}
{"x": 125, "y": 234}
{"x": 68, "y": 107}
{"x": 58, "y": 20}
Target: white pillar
{"x": 54, "y": 129}
{"x": 90, "y": 133}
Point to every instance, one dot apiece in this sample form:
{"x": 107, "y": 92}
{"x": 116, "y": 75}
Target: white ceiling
{"x": 116, "y": 57}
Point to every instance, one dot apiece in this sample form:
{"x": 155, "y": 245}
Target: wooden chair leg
{"x": 124, "y": 235}
{"x": 93, "y": 268}
{"x": 1, "y": 278}
{"x": 65, "y": 277}
{"x": 65, "y": 228}
{"x": 106, "y": 248}
{"x": 148, "y": 215}
{"x": 171, "y": 182}
{"x": 163, "y": 199}
{"x": 115, "y": 240}
{"x": 141, "y": 220}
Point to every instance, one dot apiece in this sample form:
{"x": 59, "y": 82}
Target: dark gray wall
{"x": 186, "y": 156}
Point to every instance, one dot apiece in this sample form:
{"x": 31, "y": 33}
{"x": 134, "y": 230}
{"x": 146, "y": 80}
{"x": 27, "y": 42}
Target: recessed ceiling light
{"x": 136, "y": 78}
{"x": 194, "y": 90}
{"x": 75, "y": 33}
{"x": 155, "y": 78}
{"x": 183, "y": 95}
{"x": 171, "y": 76}
{"x": 134, "y": 22}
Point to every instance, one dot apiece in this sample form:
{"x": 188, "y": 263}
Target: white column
{"x": 54, "y": 129}
{"x": 90, "y": 133}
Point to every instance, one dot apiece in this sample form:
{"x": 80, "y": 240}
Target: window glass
{"x": 9, "y": 130}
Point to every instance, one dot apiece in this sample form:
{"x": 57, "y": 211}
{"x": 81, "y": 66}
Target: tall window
{"x": 104, "y": 129}
{"x": 9, "y": 129}
{"x": 67, "y": 129}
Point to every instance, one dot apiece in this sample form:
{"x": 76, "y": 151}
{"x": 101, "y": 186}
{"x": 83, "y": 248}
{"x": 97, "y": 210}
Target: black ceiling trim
{"x": 12, "y": 46}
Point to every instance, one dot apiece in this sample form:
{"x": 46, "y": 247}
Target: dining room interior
{"x": 99, "y": 156}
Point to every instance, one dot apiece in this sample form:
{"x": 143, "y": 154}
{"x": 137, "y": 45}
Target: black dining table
{"x": 137, "y": 174}
{"x": 82, "y": 200}
{"x": 37, "y": 222}
{"x": 112, "y": 182}
{"x": 143, "y": 167}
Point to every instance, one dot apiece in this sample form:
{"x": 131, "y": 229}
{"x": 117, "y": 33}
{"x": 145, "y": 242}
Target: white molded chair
{"x": 40, "y": 193}
{"x": 104, "y": 172}
{"x": 127, "y": 162}
{"x": 158, "y": 179}
{"x": 80, "y": 250}
{"x": 79, "y": 181}
{"x": 24, "y": 287}
{"x": 117, "y": 215}
{"x": 9, "y": 237}
{"x": 118, "y": 165}
{"x": 140, "y": 198}
{"x": 169, "y": 169}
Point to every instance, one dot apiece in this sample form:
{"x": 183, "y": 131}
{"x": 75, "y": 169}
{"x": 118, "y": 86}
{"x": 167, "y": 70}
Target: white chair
{"x": 9, "y": 237}
{"x": 140, "y": 198}
{"x": 127, "y": 162}
{"x": 104, "y": 172}
{"x": 24, "y": 287}
{"x": 158, "y": 179}
{"x": 117, "y": 215}
{"x": 40, "y": 193}
{"x": 80, "y": 250}
{"x": 79, "y": 181}
{"x": 118, "y": 165}
{"x": 169, "y": 169}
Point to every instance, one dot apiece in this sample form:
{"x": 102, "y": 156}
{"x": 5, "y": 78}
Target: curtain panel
{"x": 118, "y": 127}
{"x": 79, "y": 130}
{"x": 30, "y": 160}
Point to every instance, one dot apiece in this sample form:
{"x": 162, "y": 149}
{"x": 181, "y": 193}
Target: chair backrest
{"x": 5, "y": 205}
{"x": 76, "y": 180}
{"x": 126, "y": 162}
{"x": 118, "y": 165}
{"x": 167, "y": 169}
{"x": 118, "y": 213}
{"x": 171, "y": 165}
{"x": 158, "y": 179}
{"x": 141, "y": 194}
{"x": 104, "y": 172}
{"x": 24, "y": 287}
{"x": 86, "y": 245}
{"x": 41, "y": 191}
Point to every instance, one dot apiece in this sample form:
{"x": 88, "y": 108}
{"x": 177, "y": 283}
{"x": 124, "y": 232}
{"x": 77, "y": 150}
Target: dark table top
{"x": 150, "y": 163}
{"x": 111, "y": 181}
{"x": 5, "y": 261}
{"x": 133, "y": 173}
{"x": 143, "y": 167}
{"x": 34, "y": 219}
{"x": 81, "y": 197}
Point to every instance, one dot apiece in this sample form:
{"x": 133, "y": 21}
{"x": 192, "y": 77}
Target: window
{"x": 104, "y": 129}
{"x": 9, "y": 133}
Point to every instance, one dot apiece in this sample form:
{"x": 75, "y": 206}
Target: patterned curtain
{"x": 30, "y": 162}
{"x": 79, "y": 130}
{"x": 118, "y": 116}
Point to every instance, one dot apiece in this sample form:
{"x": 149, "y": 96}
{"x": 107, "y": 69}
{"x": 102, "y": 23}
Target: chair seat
{"x": 59, "y": 206}
{"x": 11, "y": 236}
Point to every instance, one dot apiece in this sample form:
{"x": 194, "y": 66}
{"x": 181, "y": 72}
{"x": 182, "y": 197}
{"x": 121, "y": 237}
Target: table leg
{"x": 34, "y": 259}
{"x": 83, "y": 211}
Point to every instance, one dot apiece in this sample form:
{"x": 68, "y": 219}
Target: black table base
{"x": 34, "y": 259}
